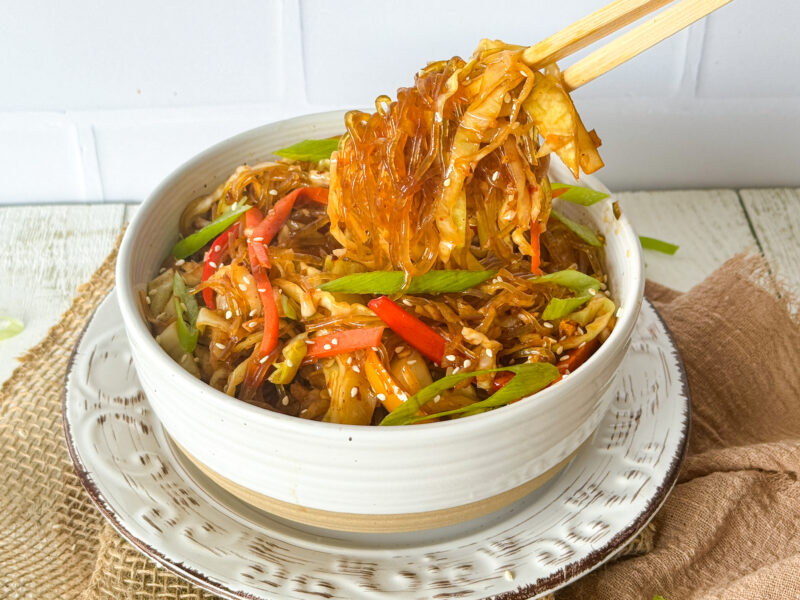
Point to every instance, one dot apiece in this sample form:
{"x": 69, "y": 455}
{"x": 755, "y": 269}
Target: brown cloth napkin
{"x": 731, "y": 528}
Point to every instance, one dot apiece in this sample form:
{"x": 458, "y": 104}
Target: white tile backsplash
{"x": 110, "y": 97}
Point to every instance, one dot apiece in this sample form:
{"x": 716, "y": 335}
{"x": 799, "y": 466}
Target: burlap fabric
{"x": 730, "y": 529}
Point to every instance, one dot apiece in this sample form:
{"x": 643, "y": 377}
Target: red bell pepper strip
{"x": 344, "y": 341}
{"x": 270, "y": 339}
{"x": 410, "y": 328}
{"x": 577, "y": 357}
{"x": 212, "y": 262}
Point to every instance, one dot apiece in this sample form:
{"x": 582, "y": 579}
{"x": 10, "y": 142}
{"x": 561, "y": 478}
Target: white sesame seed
{"x": 559, "y": 349}
{"x": 399, "y": 349}
{"x": 450, "y": 357}
{"x": 258, "y": 239}
{"x": 489, "y": 352}
{"x": 375, "y": 348}
{"x": 334, "y": 341}
{"x": 354, "y": 392}
{"x": 381, "y": 397}
{"x": 412, "y": 362}
{"x": 456, "y": 370}
{"x": 582, "y": 345}
{"x": 147, "y": 299}
{"x": 262, "y": 290}
{"x": 243, "y": 287}
{"x": 253, "y": 312}
{"x": 273, "y": 192}
{"x": 565, "y": 357}
{"x": 289, "y": 363}
{"x": 217, "y": 248}
{"x": 263, "y": 359}
{"x": 407, "y": 302}
{"x": 228, "y": 314}
{"x": 356, "y": 368}
{"x": 446, "y": 182}
{"x": 436, "y": 398}
{"x": 592, "y": 291}
{"x": 467, "y": 364}
{"x": 246, "y": 279}
{"x": 179, "y": 262}
{"x": 495, "y": 175}
{"x": 548, "y": 325}
{"x": 212, "y": 264}
{"x": 162, "y": 269}
{"x": 220, "y": 346}
{"x": 562, "y": 338}
{"x": 304, "y": 411}
{"x": 310, "y": 342}
{"x": 327, "y": 347}
{"x": 285, "y": 401}
{"x": 349, "y": 360}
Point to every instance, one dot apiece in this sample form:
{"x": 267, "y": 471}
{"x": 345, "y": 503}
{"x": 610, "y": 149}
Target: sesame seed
{"x": 273, "y": 192}
{"x": 217, "y": 248}
{"x": 562, "y": 338}
{"x": 334, "y": 341}
{"x": 356, "y": 368}
{"x": 246, "y": 279}
{"x": 399, "y": 349}
{"x": 566, "y": 372}
{"x": 565, "y": 357}
{"x": 489, "y": 352}
{"x": 327, "y": 347}
{"x": 220, "y": 346}
{"x": 446, "y": 182}
{"x": 258, "y": 239}
{"x": 162, "y": 269}
{"x": 450, "y": 357}
{"x": 147, "y": 299}
{"x": 349, "y": 360}
{"x": 285, "y": 401}
{"x": 407, "y": 302}
{"x": 304, "y": 411}
{"x": 548, "y": 325}
{"x": 289, "y": 363}
{"x": 582, "y": 345}
{"x": 381, "y": 397}
{"x": 495, "y": 175}
{"x": 262, "y": 290}
{"x": 243, "y": 287}
{"x": 263, "y": 359}
{"x": 467, "y": 364}
{"x": 253, "y": 312}
{"x": 375, "y": 348}
{"x": 354, "y": 392}
{"x": 212, "y": 264}
{"x": 436, "y": 398}
{"x": 559, "y": 349}
{"x": 412, "y": 362}
{"x": 456, "y": 370}
{"x": 310, "y": 342}
{"x": 228, "y": 314}
{"x": 179, "y": 262}
{"x": 592, "y": 291}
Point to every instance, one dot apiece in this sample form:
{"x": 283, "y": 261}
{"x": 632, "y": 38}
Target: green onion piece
{"x": 187, "y": 334}
{"x": 287, "y": 310}
{"x": 560, "y": 307}
{"x": 391, "y": 282}
{"x": 529, "y": 378}
{"x": 579, "y": 195}
{"x": 578, "y": 282}
{"x": 9, "y": 327}
{"x": 310, "y": 150}
{"x": 582, "y": 231}
{"x": 649, "y": 243}
{"x": 180, "y": 291}
{"x": 293, "y": 353}
{"x": 659, "y": 598}
{"x": 189, "y": 245}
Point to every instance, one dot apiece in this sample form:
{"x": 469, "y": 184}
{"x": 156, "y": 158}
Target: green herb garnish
{"x": 583, "y": 285}
{"x": 9, "y": 327}
{"x": 180, "y": 291}
{"x": 579, "y": 195}
{"x": 310, "y": 150}
{"x": 582, "y": 231}
{"x": 391, "y": 282}
{"x": 560, "y": 307}
{"x": 528, "y": 379}
{"x": 649, "y": 243}
{"x": 191, "y": 244}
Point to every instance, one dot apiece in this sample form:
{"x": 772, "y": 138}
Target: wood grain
{"x": 775, "y": 216}
{"x": 49, "y": 251}
{"x": 709, "y": 226}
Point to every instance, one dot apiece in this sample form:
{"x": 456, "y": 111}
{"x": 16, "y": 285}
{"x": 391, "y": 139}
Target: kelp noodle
{"x": 452, "y": 176}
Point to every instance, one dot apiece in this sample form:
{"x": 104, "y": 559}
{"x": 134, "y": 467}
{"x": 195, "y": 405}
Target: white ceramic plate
{"x": 155, "y": 498}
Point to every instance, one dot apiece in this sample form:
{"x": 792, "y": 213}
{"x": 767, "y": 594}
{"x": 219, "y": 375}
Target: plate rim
{"x": 555, "y": 581}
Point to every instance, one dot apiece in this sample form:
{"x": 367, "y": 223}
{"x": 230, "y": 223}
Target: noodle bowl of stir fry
{"x": 387, "y": 320}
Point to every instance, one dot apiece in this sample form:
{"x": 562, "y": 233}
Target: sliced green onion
{"x": 579, "y": 195}
{"x": 649, "y": 243}
{"x": 582, "y": 231}
{"x": 309, "y": 150}
{"x": 293, "y": 353}
{"x": 191, "y": 244}
{"x": 9, "y": 327}
{"x": 391, "y": 282}
{"x": 560, "y": 307}
{"x": 187, "y": 334}
{"x": 576, "y": 281}
{"x": 528, "y": 379}
{"x": 180, "y": 291}
{"x": 287, "y": 310}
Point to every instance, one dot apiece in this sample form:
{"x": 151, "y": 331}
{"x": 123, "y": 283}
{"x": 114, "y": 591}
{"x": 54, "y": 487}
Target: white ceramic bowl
{"x": 354, "y": 477}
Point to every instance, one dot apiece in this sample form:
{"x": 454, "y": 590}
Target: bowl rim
{"x": 143, "y": 340}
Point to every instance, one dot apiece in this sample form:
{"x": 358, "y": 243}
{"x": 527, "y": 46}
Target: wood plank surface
{"x": 709, "y": 226}
{"x": 48, "y": 251}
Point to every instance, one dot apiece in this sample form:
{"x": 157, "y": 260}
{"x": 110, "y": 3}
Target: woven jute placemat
{"x": 744, "y": 453}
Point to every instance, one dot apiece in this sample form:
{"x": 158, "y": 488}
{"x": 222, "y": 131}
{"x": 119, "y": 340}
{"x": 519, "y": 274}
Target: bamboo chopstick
{"x": 638, "y": 40}
{"x": 588, "y": 30}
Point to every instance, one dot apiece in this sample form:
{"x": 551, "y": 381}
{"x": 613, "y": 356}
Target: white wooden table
{"x": 51, "y": 249}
